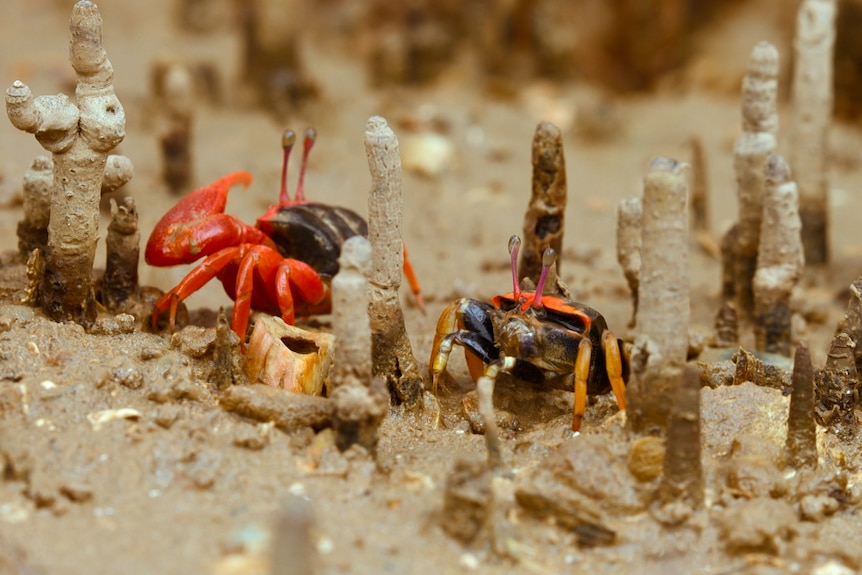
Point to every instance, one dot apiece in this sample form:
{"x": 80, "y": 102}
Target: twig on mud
{"x": 801, "y": 446}
{"x": 661, "y": 346}
{"x": 79, "y": 137}
{"x": 123, "y": 244}
{"x": 289, "y": 411}
{"x": 544, "y": 220}
{"x": 629, "y": 220}
{"x": 753, "y": 146}
{"x": 811, "y": 113}
{"x": 780, "y": 260}
{"x": 391, "y": 352}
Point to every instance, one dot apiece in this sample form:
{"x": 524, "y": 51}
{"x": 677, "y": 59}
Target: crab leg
{"x": 465, "y": 322}
{"x": 296, "y": 277}
{"x": 413, "y": 281}
{"x": 582, "y": 373}
{"x": 614, "y": 367}
{"x": 193, "y": 281}
{"x": 254, "y": 259}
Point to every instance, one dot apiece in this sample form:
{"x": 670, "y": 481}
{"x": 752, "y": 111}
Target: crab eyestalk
{"x": 514, "y": 248}
{"x": 548, "y": 259}
{"x": 307, "y": 144}
{"x": 288, "y": 139}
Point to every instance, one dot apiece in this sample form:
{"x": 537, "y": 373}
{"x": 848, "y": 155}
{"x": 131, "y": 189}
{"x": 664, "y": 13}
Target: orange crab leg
{"x": 614, "y": 367}
{"x": 193, "y": 281}
{"x": 296, "y": 277}
{"x": 196, "y": 226}
{"x": 259, "y": 260}
{"x": 449, "y": 323}
{"x": 413, "y": 281}
{"x": 582, "y": 373}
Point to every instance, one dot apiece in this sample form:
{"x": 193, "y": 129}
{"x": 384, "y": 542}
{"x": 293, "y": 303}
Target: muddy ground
{"x": 177, "y": 484}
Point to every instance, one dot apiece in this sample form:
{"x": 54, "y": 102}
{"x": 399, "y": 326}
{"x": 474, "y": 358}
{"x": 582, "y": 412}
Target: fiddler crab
{"x": 282, "y": 265}
{"x": 534, "y": 337}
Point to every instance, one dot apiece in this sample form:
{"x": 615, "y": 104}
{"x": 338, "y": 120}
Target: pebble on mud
{"x": 752, "y": 468}
{"x": 758, "y": 526}
{"x": 646, "y": 458}
{"x": 174, "y": 389}
{"x": 99, "y": 418}
{"x": 194, "y": 341}
{"x": 253, "y": 437}
{"x": 114, "y": 325}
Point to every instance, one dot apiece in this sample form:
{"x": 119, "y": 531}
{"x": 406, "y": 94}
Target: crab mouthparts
{"x": 518, "y": 339}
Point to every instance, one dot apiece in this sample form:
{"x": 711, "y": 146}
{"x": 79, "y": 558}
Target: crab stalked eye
{"x": 514, "y": 248}
{"x": 548, "y": 259}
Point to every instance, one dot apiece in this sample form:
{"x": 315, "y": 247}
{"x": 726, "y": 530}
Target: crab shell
{"x": 288, "y": 357}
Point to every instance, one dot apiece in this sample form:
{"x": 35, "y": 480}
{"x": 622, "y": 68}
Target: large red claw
{"x": 197, "y": 226}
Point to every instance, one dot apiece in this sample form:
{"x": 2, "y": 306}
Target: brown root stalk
{"x": 801, "y": 443}
{"x": 79, "y": 136}
{"x": 835, "y": 389}
{"x": 812, "y": 111}
{"x": 629, "y": 218}
{"x": 391, "y": 352}
{"x": 664, "y": 283}
{"x": 780, "y": 260}
{"x": 123, "y": 243}
{"x": 544, "y": 220}
{"x": 682, "y": 479}
{"x": 352, "y": 354}
{"x": 753, "y": 146}
{"x": 661, "y": 346}
{"x": 33, "y": 229}
{"x": 699, "y": 203}
{"x": 726, "y": 326}
{"x": 176, "y": 135}
{"x": 728, "y": 263}
{"x": 485, "y": 389}
{"x": 852, "y": 322}
{"x": 359, "y": 410}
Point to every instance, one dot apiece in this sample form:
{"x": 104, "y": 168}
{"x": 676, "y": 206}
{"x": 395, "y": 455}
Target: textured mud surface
{"x": 119, "y": 454}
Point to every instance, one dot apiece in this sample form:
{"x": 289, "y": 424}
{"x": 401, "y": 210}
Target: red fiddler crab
{"x": 534, "y": 337}
{"x": 281, "y": 266}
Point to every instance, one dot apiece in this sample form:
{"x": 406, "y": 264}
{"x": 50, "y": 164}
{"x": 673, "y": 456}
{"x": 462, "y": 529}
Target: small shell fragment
{"x": 288, "y": 357}
{"x": 100, "y": 418}
{"x": 428, "y": 154}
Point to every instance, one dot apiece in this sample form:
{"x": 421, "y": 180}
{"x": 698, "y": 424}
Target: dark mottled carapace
{"x": 313, "y": 233}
